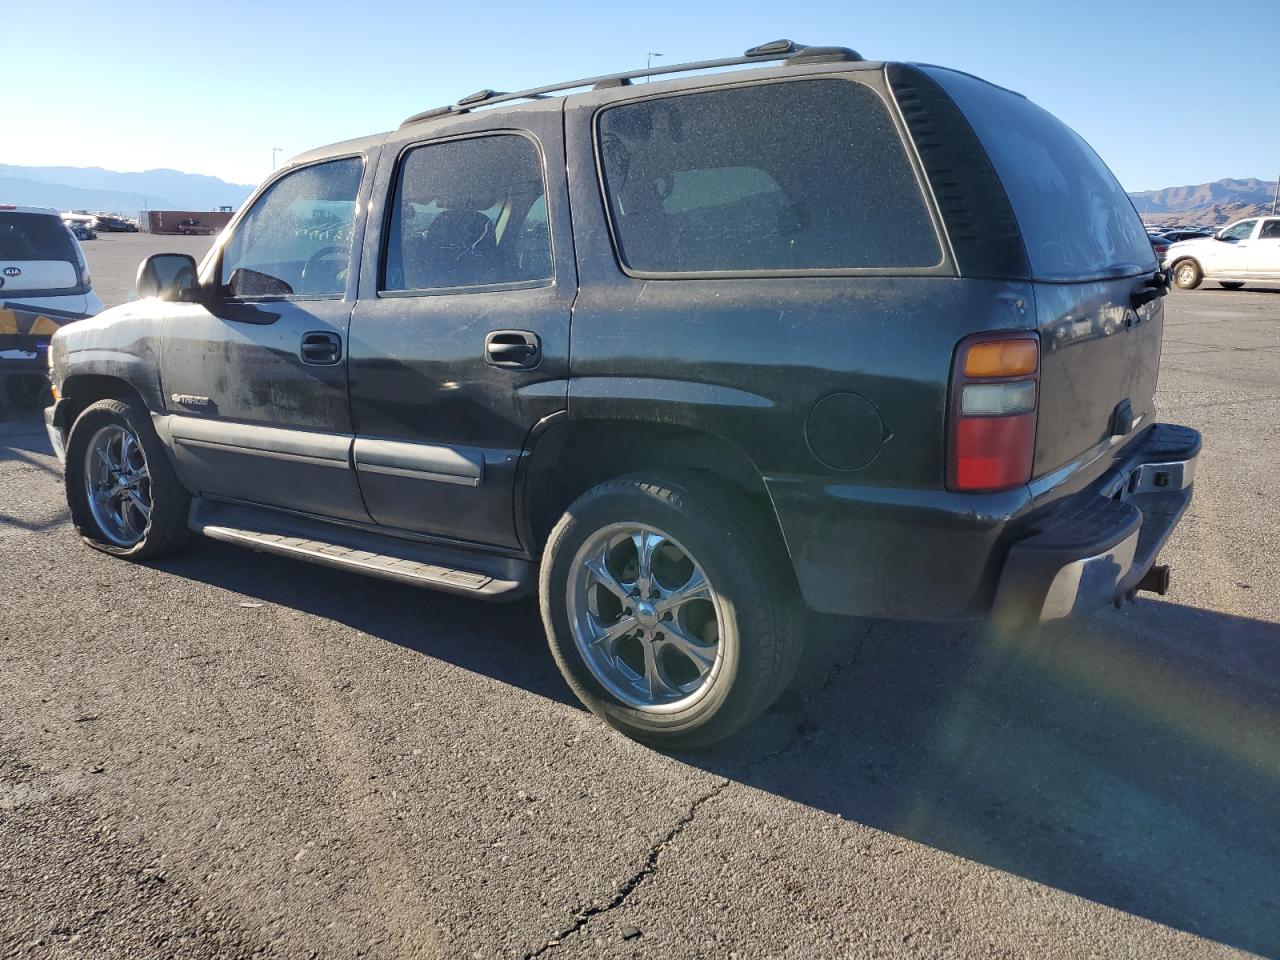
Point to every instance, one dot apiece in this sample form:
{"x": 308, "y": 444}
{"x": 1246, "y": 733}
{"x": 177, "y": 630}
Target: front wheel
{"x": 669, "y": 608}
{"x": 1187, "y": 275}
{"x": 124, "y": 496}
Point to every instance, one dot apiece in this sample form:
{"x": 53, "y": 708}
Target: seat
{"x": 458, "y": 249}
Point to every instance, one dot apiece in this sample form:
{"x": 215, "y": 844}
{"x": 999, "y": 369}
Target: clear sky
{"x": 1165, "y": 93}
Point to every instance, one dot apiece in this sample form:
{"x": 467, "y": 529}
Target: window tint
{"x": 1076, "y": 220}
{"x": 297, "y": 238}
{"x": 1270, "y": 230}
{"x": 468, "y": 213}
{"x": 1238, "y": 231}
{"x": 34, "y": 236}
{"x": 802, "y": 175}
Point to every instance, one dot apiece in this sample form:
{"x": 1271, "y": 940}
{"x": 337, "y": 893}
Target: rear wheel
{"x": 1187, "y": 275}
{"x": 124, "y": 496}
{"x": 1231, "y": 284}
{"x": 669, "y": 608}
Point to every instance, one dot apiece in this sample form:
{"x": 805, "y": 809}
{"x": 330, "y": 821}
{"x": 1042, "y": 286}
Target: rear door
{"x": 460, "y": 339}
{"x": 1091, "y": 261}
{"x": 256, "y": 380}
{"x": 1264, "y": 251}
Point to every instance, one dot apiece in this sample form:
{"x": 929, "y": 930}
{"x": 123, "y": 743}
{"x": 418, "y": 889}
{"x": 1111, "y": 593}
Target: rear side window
{"x": 34, "y": 236}
{"x": 1270, "y": 230}
{"x": 1076, "y": 220}
{"x": 801, "y": 175}
{"x": 468, "y": 213}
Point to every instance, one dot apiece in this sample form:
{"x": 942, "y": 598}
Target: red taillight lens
{"x": 994, "y": 394}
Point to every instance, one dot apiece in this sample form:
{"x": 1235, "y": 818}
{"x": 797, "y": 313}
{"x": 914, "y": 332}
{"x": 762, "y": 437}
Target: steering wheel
{"x": 316, "y": 257}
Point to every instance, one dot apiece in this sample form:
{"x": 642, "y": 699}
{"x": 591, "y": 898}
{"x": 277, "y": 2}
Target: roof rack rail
{"x": 785, "y": 50}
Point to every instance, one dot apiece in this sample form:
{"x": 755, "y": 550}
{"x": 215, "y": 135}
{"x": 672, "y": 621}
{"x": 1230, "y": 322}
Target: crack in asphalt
{"x": 803, "y": 729}
{"x": 650, "y": 865}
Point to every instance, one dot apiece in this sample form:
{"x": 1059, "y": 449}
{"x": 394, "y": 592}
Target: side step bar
{"x": 370, "y": 553}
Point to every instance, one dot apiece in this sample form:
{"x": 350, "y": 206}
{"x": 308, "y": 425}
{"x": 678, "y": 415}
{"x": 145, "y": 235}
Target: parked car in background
{"x": 191, "y": 227}
{"x": 113, "y": 224}
{"x": 44, "y": 283}
{"x": 834, "y": 342}
{"x": 81, "y": 230}
{"x": 1190, "y": 233}
{"x": 1159, "y": 243}
{"x": 1245, "y": 250}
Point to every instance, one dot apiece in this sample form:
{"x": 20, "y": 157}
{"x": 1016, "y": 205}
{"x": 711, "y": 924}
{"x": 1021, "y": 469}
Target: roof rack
{"x": 785, "y": 50}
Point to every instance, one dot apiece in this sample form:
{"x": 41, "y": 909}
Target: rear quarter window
{"x": 1076, "y": 220}
{"x": 806, "y": 175}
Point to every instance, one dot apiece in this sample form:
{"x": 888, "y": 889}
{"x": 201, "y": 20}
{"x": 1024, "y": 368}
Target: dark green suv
{"x": 682, "y": 357}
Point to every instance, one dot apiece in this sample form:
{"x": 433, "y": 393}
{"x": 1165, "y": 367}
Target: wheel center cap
{"x": 646, "y": 615}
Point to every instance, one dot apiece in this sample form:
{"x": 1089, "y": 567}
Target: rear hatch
{"x": 1093, "y": 270}
{"x": 38, "y": 256}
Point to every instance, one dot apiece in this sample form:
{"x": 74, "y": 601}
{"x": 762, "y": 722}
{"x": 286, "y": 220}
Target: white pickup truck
{"x": 1243, "y": 251}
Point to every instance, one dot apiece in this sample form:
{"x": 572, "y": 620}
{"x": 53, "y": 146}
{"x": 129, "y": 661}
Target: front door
{"x": 256, "y": 377}
{"x": 1228, "y": 256}
{"x": 1264, "y": 251}
{"x": 460, "y": 338}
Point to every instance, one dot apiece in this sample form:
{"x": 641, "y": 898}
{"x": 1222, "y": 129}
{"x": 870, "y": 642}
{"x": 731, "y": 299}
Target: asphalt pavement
{"x": 225, "y": 754}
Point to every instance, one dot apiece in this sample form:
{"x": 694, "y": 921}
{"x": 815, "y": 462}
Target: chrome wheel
{"x": 118, "y": 485}
{"x": 1186, "y": 276}
{"x": 645, "y": 618}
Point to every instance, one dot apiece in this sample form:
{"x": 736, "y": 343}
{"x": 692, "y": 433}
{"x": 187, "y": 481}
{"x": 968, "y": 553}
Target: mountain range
{"x": 93, "y": 188}
{"x": 1206, "y": 203}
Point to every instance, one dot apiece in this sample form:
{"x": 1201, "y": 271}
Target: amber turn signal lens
{"x": 1002, "y": 358}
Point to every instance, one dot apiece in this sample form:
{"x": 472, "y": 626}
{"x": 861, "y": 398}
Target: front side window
{"x": 297, "y": 239}
{"x": 468, "y": 213}
{"x": 1238, "y": 231}
{"x": 801, "y": 175}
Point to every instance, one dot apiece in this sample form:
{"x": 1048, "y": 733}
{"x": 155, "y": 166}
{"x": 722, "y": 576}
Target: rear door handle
{"x": 321, "y": 347}
{"x": 513, "y": 349}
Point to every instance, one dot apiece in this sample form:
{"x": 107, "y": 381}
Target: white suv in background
{"x": 41, "y": 264}
{"x": 1245, "y": 250}
{"x": 44, "y": 283}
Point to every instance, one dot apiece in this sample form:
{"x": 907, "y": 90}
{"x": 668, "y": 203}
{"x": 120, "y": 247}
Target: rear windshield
{"x": 1076, "y": 220}
{"x": 801, "y": 175}
{"x": 35, "y": 236}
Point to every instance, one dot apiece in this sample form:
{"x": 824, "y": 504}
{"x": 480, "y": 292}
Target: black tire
{"x": 166, "y": 530}
{"x": 1187, "y": 275}
{"x": 28, "y": 391}
{"x": 1231, "y": 284}
{"x": 741, "y": 553}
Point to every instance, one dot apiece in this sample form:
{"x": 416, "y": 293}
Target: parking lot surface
{"x": 226, "y": 754}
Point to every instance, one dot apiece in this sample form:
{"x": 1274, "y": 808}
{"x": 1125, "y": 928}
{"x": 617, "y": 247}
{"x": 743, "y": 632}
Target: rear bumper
{"x": 1096, "y": 547}
{"x": 934, "y": 555}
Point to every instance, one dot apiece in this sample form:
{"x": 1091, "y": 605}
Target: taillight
{"x": 995, "y": 382}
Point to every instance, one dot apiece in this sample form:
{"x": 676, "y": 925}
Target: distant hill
{"x": 93, "y": 188}
{"x": 1206, "y": 203}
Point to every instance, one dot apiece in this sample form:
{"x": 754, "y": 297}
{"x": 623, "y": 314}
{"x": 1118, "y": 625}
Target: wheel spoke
{"x": 702, "y": 655}
{"x": 697, "y": 588}
{"x": 647, "y": 542}
{"x": 126, "y": 450}
{"x": 139, "y": 504}
{"x": 600, "y": 571}
{"x": 106, "y": 461}
{"x": 608, "y": 637}
{"x": 659, "y": 687}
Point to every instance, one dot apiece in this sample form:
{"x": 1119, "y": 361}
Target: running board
{"x": 452, "y": 569}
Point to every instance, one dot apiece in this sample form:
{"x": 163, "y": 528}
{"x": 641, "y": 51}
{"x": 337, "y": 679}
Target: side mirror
{"x": 169, "y": 276}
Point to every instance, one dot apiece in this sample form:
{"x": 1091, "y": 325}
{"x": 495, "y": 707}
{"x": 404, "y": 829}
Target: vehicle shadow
{"x": 1132, "y": 759}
